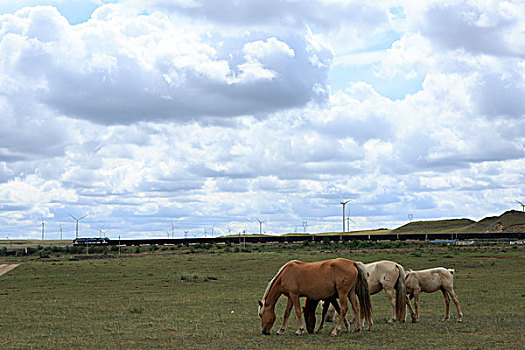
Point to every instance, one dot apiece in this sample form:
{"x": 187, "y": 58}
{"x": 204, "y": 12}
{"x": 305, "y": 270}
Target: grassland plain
{"x": 209, "y": 301}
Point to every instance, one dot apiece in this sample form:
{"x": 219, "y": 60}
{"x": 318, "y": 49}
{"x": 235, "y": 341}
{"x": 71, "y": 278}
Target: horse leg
{"x": 390, "y": 293}
{"x": 447, "y": 304}
{"x": 287, "y": 311}
{"x": 326, "y": 305}
{"x": 456, "y": 301}
{"x": 297, "y": 304}
{"x": 416, "y": 305}
{"x": 355, "y": 307}
{"x": 412, "y": 313}
{"x": 338, "y": 310}
{"x": 344, "y": 308}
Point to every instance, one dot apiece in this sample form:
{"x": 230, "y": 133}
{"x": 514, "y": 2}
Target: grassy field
{"x": 174, "y": 300}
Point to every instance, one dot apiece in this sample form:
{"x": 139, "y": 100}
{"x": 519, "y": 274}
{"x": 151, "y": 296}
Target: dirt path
{"x": 5, "y": 268}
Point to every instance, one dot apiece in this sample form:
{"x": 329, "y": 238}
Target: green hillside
{"x": 434, "y": 226}
{"x": 510, "y": 221}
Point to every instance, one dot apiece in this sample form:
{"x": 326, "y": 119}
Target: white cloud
{"x": 153, "y": 112}
{"x": 123, "y": 68}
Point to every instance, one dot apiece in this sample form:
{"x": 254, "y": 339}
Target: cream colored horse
{"x": 430, "y": 281}
{"x": 387, "y": 275}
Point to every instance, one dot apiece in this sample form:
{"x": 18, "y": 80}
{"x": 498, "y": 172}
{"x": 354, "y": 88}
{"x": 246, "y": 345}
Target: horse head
{"x": 309, "y": 314}
{"x": 309, "y": 319}
{"x": 267, "y": 315}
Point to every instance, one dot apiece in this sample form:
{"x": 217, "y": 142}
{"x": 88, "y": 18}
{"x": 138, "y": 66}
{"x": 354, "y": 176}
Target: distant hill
{"x": 510, "y": 221}
{"x": 434, "y": 226}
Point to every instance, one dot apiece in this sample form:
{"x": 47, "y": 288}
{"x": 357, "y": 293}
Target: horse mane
{"x": 270, "y": 284}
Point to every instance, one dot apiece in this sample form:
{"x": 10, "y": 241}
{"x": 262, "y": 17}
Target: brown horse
{"x": 317, "y": 280}
{"x": 384, "y": 274}
{"x": 430, "y": 281}
{"x": 309, "y": 313}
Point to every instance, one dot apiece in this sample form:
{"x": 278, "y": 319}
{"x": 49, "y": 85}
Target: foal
{"x": 430, "y": 281}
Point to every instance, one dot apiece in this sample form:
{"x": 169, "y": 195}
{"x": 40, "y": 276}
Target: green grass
{"x": 208, "y": 300}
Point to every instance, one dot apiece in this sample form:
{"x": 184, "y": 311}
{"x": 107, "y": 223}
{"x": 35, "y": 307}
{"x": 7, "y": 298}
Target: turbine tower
{"x": 348, "y": 219}
{"x": 260, "y": 225}
{"x": 77, "y": 220}
{"x": 522, "y": 205}
{"x": 343, "y": 202}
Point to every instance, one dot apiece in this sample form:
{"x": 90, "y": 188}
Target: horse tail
{"x": 401, "y": 294}
{"x": 362, "y": 293}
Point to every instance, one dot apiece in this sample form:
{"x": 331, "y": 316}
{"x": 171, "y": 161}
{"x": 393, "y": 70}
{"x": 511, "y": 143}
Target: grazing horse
{"x": 309, "y": 313}
{"x": 316, "y": 280}
{"x": 430, "y": 281}
{"x": 387, "y": 275}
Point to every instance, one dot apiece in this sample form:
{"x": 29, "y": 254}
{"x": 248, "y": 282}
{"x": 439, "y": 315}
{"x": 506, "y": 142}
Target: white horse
{"x": 430, "y": 281}
{"x": 387, "y": 275}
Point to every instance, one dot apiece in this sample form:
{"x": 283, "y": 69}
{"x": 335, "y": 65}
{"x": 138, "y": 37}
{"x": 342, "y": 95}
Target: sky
{"x": 189, "y": 118}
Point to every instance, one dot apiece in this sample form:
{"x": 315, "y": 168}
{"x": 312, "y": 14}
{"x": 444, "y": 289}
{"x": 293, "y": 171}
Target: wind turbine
{"x": 43, "y": 229}
{"x": 343, "y": 202}
{"x": 60, "y": 231}
{"x": 260, "y": 225}
{"x": 77, "y": 220}
{"x": 101, "y": 232}
{"x": 348, "y": 220}
{"x": 522, "y": 205}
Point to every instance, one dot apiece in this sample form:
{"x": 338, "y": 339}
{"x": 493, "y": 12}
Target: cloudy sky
{"x": 209, "y": 114}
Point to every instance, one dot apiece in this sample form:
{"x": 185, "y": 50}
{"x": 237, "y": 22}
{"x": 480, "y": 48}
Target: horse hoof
{"x": 415, "y": 321}
{"x": 460, "y": 320}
